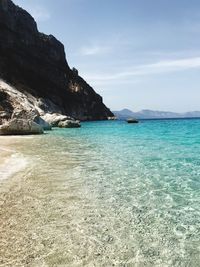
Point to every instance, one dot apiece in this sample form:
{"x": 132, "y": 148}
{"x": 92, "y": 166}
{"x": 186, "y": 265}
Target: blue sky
{"x": 138, "y": 54}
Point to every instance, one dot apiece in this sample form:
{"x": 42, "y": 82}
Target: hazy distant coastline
{"x": 154, "y": 114}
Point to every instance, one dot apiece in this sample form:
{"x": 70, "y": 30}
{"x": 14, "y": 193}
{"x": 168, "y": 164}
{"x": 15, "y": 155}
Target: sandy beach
{"x": 12, "y": 171}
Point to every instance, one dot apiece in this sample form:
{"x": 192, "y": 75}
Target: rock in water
{"x": 44, "y": 124}
{"x": 62, "y": 121}
{"x": 69, "y": 124}
{"x": 112, "y": 118}
{"x": 35, "y": 65}
{"x": 20, "y": 127}
{"x": 55, "y": 118}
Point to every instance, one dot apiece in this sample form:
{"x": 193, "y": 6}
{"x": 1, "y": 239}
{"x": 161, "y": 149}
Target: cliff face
{"x": 35, "y": 64}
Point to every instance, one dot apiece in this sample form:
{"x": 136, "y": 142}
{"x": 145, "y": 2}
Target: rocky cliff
{"x": 35, "y": 65}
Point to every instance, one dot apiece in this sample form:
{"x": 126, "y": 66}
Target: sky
{"x": 138, "y": 54}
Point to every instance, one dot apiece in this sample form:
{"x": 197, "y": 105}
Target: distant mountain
{"x": 153, "y": 114}
{"x": 192, "y": 114}
{"x": 124, "y": 113}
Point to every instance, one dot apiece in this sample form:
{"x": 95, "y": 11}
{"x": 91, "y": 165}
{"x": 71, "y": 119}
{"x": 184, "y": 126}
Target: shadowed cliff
{"x": 35, "y": 64}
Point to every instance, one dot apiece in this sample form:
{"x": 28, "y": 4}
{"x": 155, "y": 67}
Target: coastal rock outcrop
{"x": 44, "y": 124}
{"x": 62, "y": 121}
{"x": 69, "y": 124}
{"x": 18, "y": 105}
{"x": 112, "y": 118}
{"x": 34, "y": 64}
{"x": 55, "y": 118}
{"x": 20, "y": 127}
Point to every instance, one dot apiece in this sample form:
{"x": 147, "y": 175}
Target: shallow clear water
{"x": 108, "y": 194}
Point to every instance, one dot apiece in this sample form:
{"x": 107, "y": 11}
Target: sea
{"x": 106, "y": 194}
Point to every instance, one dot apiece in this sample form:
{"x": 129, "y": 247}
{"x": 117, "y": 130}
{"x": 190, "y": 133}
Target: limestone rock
{"x": 54, "y": 118}
{"x": 69, "y": 124}
{"x": 18, "y": 105}
{"x": 20, "y": 127}
{"x": 44, "y": 124}
{"x": 36, "y": 66}
{"x": 112, "y": 118}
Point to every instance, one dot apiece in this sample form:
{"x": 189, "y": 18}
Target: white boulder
{"x": 20, "y": 127}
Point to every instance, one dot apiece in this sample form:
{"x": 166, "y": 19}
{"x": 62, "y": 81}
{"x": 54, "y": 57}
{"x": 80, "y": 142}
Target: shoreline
{"x": 11, "y": 161}
{"x": 102, "y": 197}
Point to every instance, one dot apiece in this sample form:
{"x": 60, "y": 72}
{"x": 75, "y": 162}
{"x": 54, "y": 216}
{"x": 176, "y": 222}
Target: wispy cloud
{"x": 164, "y": 66}
{"x": 94, "y": 50}
{"x": 111, "y": 43}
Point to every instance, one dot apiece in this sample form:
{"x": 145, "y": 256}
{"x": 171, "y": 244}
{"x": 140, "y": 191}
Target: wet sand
{"x": 38, "y": 208}
{"x": 12, "y": 171}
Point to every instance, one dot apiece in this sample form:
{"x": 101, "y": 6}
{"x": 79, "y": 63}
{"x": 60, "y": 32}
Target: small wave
{"x": 12, "y": 165}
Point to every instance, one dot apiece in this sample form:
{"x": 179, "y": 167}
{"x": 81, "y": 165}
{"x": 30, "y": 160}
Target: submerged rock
{"x": 69, "y": 124}
{"x": 20, "y": 127}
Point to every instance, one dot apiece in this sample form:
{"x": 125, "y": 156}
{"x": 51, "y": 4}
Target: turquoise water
{"x": 116, "y": 194}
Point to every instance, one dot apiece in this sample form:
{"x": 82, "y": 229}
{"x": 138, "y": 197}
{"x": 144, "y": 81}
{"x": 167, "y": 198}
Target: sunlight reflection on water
{"x": 108, "y": 194}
